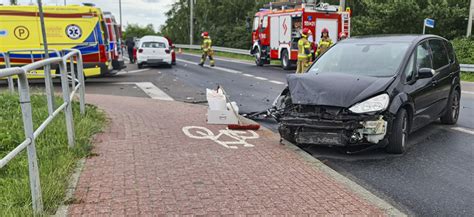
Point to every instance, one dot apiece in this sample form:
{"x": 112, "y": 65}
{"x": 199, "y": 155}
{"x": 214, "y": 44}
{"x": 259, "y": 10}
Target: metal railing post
{"x": 66, "y": 98}
{"x": 11, "y": 84}
{"x": 25, "y": 104}
{"x": 82, "y": 88}
{"x": 73, "y": 74}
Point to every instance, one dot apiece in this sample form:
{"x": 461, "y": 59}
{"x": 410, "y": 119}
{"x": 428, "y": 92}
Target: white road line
{"x": 215, "y": 67}
{"x": 262, "y": 78}
{"x": 131, "y": 72}
{"x": 150, "y": 89}
{"x": 467, "y": 92}
{"x": 464, "y": 130}
{"x": 276, "y": 82}
{"x": 248, "y": 75}
{"x": 222, "y": 59}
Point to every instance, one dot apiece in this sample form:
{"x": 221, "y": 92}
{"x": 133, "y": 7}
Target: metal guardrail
{"x": 467, "y": 67}
{"x": 464, "y": 67}
{"x": 67, "y": 77}
{"x": 221, "y": 49}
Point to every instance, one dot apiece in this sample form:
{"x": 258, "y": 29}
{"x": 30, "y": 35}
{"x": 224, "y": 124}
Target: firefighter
{"x": 342, "y": 36}
{"x": 130, "y": 45}
{"x": 304, "y": 52}
{"x": 324, "y": 43}
{"x": 207, "y": 49}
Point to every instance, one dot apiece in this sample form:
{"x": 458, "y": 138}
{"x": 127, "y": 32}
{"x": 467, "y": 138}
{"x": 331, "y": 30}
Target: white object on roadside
{"x": 234, "y": 105}
{"x": 220, "y": 111}
{"x": 216, "y": 100}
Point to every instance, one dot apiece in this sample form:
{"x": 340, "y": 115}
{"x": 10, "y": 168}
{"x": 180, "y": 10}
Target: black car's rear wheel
{"x": 399, "y": 135}
{"x": 452, "y": 110}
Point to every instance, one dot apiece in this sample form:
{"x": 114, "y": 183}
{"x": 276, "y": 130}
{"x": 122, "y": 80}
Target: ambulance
{"x": 67, "y": 27}
{"x": 277, "y": 29}
{"x": 115, "y": 35}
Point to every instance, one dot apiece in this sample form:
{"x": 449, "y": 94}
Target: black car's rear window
{"x": 371, "y": 59}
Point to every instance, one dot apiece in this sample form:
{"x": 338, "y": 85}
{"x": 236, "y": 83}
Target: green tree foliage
{"x": 464, "y": 50}
{"x": 225, "y": 20}
{"x": 406, "y": 16}
{"x": 134, "y": 30}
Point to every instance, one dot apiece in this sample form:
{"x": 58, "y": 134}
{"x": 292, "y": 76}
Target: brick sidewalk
{"x": 146, "y": 165}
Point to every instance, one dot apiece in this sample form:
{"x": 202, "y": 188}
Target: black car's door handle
{"x": 434, "y": 82}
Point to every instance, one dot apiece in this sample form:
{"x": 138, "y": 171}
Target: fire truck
{"x": 276, "y": 32}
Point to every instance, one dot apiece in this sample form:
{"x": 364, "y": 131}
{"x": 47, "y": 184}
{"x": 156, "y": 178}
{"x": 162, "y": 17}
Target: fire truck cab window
{"x": 265, "y": 22}
{"x": 256, "y": 23}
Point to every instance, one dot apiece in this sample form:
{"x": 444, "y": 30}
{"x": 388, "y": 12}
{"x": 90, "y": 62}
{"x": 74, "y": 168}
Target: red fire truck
{"x": 276, "y": 32}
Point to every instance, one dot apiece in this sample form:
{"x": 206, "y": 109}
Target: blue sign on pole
{"x": 429, "y": 22}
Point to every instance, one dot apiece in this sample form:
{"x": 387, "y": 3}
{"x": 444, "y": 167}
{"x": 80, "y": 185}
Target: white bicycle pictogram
{"x": 239, "y": 137}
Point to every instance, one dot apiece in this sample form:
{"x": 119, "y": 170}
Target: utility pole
{"x": 191, "y": 22}
{"x": 342, "y": 5}
{"x": 47, "y": 69}
{"x": 120, "y": 12}
{"x": 469, "y": 22}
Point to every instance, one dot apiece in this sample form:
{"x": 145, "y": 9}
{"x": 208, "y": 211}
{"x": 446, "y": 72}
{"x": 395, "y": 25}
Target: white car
{"x": 153, "y": 50}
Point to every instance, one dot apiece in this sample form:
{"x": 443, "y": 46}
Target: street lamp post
{"x": 191, "y": 3}
{"x": 469, "y": 22}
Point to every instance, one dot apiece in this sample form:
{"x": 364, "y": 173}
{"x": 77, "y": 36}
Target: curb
{"x": 73, "y": 180}
{"x": 356, "y": 188}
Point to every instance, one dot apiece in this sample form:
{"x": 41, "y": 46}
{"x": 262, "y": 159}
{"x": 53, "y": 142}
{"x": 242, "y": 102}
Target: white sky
{"x": 141, "y": 12}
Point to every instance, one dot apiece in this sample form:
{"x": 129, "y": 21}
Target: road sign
{"x": 429, "y": 22}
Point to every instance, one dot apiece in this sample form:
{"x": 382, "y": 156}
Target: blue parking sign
{"x": 430, "y": 23}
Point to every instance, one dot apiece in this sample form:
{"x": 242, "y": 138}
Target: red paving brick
{"x": 147, "y": 166}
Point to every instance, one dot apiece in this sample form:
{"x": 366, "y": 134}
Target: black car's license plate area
{"x": 320, "y": 138}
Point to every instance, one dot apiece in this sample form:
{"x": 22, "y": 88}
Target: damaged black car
{"x": 371, "y": 91}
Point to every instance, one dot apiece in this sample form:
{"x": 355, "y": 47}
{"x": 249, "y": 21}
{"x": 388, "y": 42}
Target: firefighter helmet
{"x": 204, "y": 34}
{"x": 306, "y": 31}
{"x": 325, "y": 30}
{"x": 342, "y": 35}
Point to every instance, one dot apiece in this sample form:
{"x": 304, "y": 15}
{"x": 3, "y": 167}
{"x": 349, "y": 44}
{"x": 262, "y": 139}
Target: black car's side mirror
{"x": 425, "y": 73}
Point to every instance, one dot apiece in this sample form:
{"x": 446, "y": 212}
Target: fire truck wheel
{"x": 258, "y": 57}
{"x": 285, "y": 60}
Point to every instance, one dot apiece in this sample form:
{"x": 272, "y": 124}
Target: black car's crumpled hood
{"x": 334, "y": 89}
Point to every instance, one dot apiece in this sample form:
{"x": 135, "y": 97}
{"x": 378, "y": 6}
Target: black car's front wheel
{"x": 452, "y": 110}
{"x": 399, "y": 135}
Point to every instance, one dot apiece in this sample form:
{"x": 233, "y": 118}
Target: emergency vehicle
{"x": 115, "y": 33}
{"x": 276, "y": 32}
{"x": 72, "y": 26}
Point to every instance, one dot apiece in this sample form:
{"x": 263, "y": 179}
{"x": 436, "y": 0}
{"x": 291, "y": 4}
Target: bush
{"x": 464, "y": 48}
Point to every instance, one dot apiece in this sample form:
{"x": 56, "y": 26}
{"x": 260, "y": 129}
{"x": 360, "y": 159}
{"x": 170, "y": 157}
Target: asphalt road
{"x": 434, "y": 178}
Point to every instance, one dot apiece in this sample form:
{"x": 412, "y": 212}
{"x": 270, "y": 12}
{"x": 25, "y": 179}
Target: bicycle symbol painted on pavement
{"x": 238, "y": 137}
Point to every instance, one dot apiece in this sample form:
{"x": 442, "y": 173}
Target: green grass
{"x": 231, "y": 56}
{"x": 56, "y": 161}
{"x": 467, "y": 76}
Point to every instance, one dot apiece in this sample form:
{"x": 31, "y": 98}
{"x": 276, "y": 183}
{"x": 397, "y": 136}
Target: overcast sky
{"x": 141, "y": 12}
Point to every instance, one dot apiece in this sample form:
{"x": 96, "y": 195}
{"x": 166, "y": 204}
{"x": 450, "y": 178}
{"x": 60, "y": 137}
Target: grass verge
{"x": 467, "y": 76}
{"x": 231, "y": 56}
{"x": 56, "y": 160}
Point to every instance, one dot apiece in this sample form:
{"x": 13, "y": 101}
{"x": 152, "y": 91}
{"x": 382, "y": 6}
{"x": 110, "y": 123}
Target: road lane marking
{"x": 248, "y": 75}
{"x": 221, "y": 59}
{"x": 467, "y": 92}
{"x": 261, "y": 78}
{"x": 150, "y": 89}
{"x": 215, "y": 67}
{"x": 277, "y": 82}
{"x": 464, "y": 130}
{"x": 131, "y": 72}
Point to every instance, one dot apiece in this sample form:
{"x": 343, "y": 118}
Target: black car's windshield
{"x": 379, "y": 59}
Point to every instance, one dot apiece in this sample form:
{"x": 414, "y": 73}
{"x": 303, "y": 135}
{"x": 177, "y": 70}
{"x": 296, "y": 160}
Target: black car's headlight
{"x": 374, "y": 104}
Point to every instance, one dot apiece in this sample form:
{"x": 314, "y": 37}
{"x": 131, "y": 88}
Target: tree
{"x": 13, "y": 2}
{"x": 134, "y": 30}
